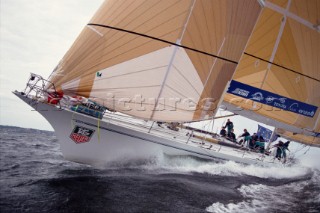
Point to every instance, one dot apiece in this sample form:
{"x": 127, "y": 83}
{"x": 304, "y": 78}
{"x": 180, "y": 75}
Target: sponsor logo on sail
{"x": 307, "y": 113}
{"x": 294, "y": 107}
{"x": 81, "y": 134}
{"x": 282, "y": 100}
{"x": 271, "y": 99}
{"x": 241, "y": 92}
{"x": 257, "y": 96}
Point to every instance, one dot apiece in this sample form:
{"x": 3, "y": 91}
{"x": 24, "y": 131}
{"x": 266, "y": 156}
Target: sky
{"x": 34, "y": 36}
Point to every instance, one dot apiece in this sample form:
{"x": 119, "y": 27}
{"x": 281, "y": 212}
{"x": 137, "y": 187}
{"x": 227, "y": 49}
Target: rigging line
{"x": 180, "y": 93}
{"x": 187, "y": 80}
{"x": 162, "y": 40}
{"x": 278, "y": 65}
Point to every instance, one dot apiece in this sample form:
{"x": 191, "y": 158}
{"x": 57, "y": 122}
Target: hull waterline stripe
{"x": 162, "y": 40}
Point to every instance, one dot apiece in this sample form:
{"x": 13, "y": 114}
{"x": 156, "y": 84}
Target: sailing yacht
{"x": 140, "y": 66}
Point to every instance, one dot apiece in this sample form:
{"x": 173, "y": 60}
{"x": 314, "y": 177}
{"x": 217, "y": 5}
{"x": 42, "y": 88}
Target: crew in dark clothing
{"x": 245, "y": 133}
{"x": 279, "y": 146}
{"x": 229, "y": 126}
{"x": 246, "y": 136}
{"x": 223, "y": 132}
{"x": 255, "y": 137}
{"x": 252, "y": 143}
{"x": 159, "y": 123}
{"x": 260, "y": 144}
{"x": 173, "y": 126}
{"x": 232, "y": 136}
{"x": 284, "y": 148}
{"x": 261, "y": 139}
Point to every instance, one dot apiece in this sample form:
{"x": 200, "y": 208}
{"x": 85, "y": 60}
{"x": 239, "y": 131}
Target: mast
{"x": 178, "y": 42}
{"x": 283, "y": 24}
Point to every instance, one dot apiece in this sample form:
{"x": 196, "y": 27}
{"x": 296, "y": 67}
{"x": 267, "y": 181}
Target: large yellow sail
{"x": 159, "y": 60}
{"x": 283, "y": 58}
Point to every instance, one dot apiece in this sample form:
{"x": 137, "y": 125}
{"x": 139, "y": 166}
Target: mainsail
{"x": 282, "y": 63}
{"x": 159, "y": 60}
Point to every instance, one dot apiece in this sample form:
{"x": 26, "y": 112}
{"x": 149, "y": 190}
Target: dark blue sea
{"x": 34, "y": 177}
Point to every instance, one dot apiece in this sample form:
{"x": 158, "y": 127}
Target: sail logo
{"x": 81, "y": 134}
{"x": 294, "y": 107}
{"x": 271, "y": 99}
{"x": 307, "y": 113}
{"x": 241, "y": 92}
{"x": 257, "y": 96}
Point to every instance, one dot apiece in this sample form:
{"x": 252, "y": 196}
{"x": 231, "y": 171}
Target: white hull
{"x": 114, "y": 139}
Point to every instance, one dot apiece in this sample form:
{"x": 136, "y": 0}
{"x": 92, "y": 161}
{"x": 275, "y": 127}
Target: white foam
{"x": 272, "y": 171}
{"x": 226, "y": 168}
{"x": 257, "y": 198}
{"x": 231, "y": 207}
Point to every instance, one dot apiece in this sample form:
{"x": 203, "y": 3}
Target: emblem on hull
{"x": 81, "y": 134}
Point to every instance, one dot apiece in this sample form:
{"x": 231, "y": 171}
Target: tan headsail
{"x": 159, "y": 60}
{"x": 283, "y": 57}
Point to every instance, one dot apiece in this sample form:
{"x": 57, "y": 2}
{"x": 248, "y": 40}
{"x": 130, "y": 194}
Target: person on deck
{"x": 252, "y": 142}
{"x": 260, "y": 144}
{"x": 255, "y": 137}
{"x": 284, "y": 148}
{"x": 173, "y": 126}
{"x": 261, "y": 139}
{"x": 223, "y": 132}
{"x": 160, "y": 124}
{"x": 279, "y": 146}
{"x": 246, "y": 136}
{"x": 229, "y": 126}
{"x": 232, "y": 136}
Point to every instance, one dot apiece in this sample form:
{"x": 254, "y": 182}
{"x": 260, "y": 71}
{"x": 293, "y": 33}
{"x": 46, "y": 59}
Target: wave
{"x": 298, "y": 196}
{"x": 188, "y": 164}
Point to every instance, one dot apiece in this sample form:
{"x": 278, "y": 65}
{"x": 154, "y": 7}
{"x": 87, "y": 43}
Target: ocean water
{"x": 34, "y": 177}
